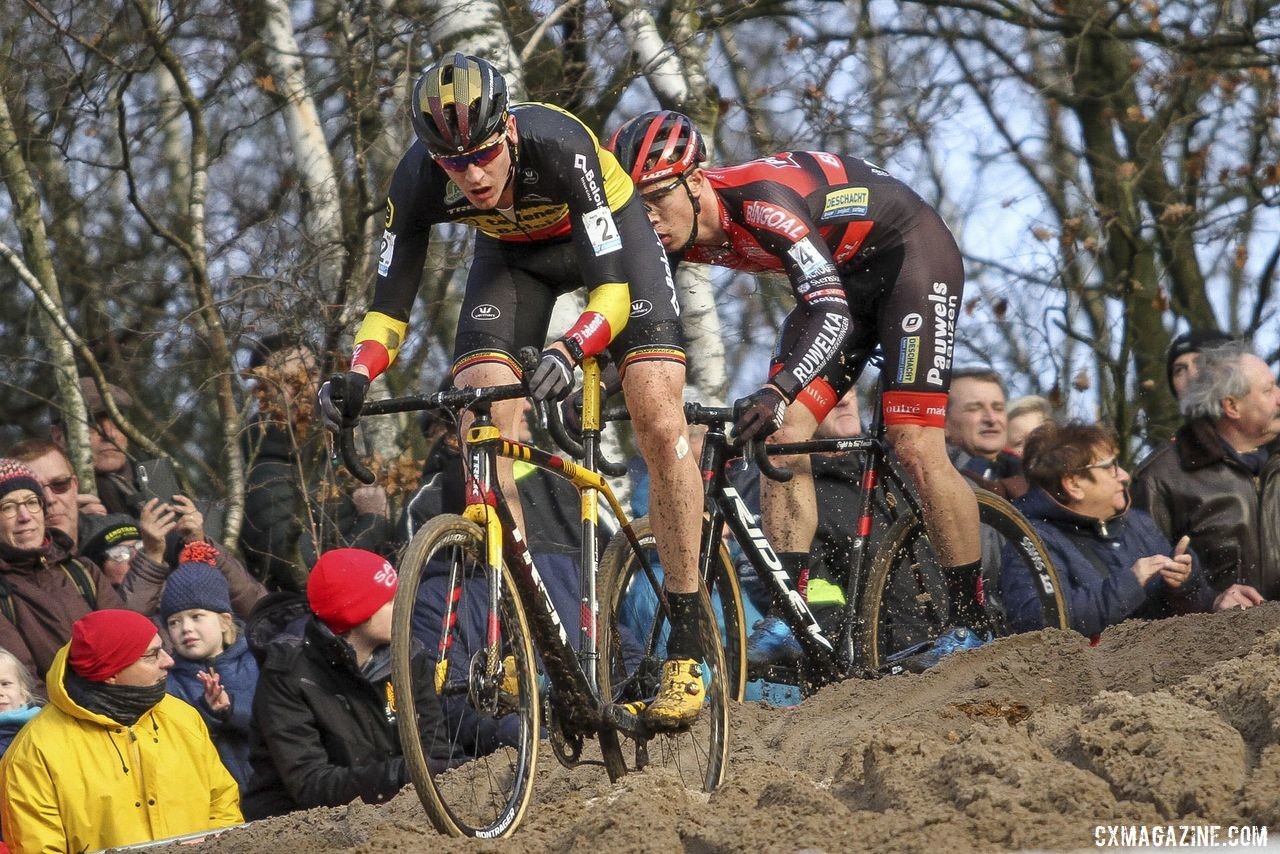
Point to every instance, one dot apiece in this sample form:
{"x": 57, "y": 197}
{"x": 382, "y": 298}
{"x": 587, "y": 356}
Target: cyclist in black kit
{"x": 869, "y": 261}
{"x": 554, "y": 213}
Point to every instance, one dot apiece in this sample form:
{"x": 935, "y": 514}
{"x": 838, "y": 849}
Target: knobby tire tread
{"x": 429, "y": 540}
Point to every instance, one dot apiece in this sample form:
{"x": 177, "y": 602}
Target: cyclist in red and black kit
{"x": 554, "y": 213}
{"x": 869, "y": 261}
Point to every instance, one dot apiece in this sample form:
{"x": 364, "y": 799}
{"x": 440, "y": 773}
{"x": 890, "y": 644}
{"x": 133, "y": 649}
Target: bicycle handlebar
{"x": 455, "y": 399}
{"x": 549, "y": 416}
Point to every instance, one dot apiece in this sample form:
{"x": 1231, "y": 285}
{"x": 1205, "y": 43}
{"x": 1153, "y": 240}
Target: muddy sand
{"x": 1028, "y": 743}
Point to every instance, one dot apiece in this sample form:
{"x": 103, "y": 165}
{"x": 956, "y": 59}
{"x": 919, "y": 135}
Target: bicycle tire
{"x": 902, "y": 562}
{"x": 726, "y": 601}
{"x": 632, "y": 649}
{"x": 466, "y": 788}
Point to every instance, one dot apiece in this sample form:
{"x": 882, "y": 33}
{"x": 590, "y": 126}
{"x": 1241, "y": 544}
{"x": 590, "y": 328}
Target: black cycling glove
{"x": 553, "y": 378}
{"x": 341, "y": 399}
{"x": 759, "y": 414}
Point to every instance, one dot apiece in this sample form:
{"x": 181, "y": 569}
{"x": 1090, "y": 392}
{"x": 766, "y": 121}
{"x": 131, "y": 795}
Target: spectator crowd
{"x": 156, "y": 682}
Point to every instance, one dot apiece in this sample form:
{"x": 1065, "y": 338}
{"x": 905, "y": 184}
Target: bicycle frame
{"x": 830, "y": 660}
{"x": 572, "y": 673}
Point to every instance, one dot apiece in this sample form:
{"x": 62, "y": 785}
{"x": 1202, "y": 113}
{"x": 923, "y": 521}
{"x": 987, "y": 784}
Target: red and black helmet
{"x": 657, "y": 145}
{"x": 458, "y": 103}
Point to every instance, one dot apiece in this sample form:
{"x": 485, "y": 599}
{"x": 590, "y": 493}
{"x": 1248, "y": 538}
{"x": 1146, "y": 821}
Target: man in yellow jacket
{"x": 112, "y": 760}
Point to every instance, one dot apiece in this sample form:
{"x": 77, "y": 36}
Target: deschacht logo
{"x": 485, "y": 312}
{"x": 640, "y": 307}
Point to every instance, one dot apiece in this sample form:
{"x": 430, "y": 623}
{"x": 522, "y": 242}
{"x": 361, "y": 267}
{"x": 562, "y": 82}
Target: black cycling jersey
{"x": 567, "y": 191}
{"x": 867, "y": 258}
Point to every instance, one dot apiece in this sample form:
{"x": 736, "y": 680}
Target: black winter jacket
{"x": 1193, "y": 486}
{"x": 324, "y": 734}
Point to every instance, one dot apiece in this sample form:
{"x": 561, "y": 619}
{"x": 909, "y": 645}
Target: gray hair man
{"x": 1217, "y": 481}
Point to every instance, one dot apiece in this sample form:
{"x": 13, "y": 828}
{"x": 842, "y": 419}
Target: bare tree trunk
{"x": 475, "y": 27}
{"x": 192, "y": 247}
{"x": 26, "y": 202}
{"x": 311, "y": 155}
{"x": 678, "y": 77}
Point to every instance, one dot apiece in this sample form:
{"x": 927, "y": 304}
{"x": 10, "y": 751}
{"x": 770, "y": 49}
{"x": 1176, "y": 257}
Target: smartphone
{"x": 157, "y": 479}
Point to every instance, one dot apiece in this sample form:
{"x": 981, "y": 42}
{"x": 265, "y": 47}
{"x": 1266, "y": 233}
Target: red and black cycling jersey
{"x": 566, "y": 189}
{"x": 814, "y": 216}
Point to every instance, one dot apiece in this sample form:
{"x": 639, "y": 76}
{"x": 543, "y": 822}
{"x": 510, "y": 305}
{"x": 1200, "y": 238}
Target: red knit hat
{"x": 15, "y": 475}
{"x": 348, "y": 586}
{"x": 105, "y": 642}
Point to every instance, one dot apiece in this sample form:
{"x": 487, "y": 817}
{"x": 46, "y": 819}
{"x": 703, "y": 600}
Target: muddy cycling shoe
{"x": 510, "y": 680}
{"x": 771, "y": 642}
{"x": 922, "y": 656}
{"x": 680, "y": 695}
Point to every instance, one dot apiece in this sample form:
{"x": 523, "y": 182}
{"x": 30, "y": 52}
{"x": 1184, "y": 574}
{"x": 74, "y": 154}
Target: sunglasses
{"x": 481, "y": 156}
{"x": 122, "y": 552}
{"x": 60, "y": 485}
{"x": 656, "y": 199}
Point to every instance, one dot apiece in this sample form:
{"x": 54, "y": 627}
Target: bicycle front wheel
{"x": 633, "y": 639}
{"x": 474, "y": 770}
{"x": 905, "y": 601}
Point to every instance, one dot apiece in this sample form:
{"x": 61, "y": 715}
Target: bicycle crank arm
{"x": 625, "y": 717}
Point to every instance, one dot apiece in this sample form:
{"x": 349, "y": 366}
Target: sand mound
{"x": 1028, "y": 743}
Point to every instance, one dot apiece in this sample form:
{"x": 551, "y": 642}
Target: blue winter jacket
{"x": 1096, "y": 600}
{"x": 12, "y": 721}
{"x": 230, "y": 732}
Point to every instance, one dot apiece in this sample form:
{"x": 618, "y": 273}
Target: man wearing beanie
{"x": 44, "y": 588}
{"x": 1218, "y": 481}
{"x": 325, "y": 712}
{"x": 1180, "y": 361}
{"x": 112, "y": 760}
{"x": 111, "y": 542}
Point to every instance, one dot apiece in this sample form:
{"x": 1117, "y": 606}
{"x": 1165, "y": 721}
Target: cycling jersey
{"x": 567, "y": 193}
{"x": 866, "y": 258}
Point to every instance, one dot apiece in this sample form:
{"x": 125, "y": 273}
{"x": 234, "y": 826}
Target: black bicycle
{"x": 506, "y": 669}
{"x": 896, "y": 603}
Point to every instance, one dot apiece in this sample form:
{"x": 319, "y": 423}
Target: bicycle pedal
{"x": 635, "y": 708}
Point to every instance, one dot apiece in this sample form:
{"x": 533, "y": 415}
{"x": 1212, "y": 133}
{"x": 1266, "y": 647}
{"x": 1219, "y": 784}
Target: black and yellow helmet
{"x": 458, "y": 103}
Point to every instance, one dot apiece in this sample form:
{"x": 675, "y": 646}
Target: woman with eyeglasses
{"x": 44, "y": 588}
{"x": 1113, "y": 560}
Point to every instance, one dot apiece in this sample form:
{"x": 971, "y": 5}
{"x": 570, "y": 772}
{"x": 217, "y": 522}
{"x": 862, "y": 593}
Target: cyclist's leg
{"x": 653, "y": 376}
{"x": 947, "y": 503}
{"x": 917, "y": 333}
{"x": 789, "y": 512}
{"x": 504, "y": 308}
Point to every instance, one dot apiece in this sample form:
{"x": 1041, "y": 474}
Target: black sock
{"x": 962, "y": 588}
{"x": 684, "y": 640}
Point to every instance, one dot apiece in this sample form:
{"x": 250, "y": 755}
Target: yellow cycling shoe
{"x": 510, "y": 681}
{"x": 680, "y": 696}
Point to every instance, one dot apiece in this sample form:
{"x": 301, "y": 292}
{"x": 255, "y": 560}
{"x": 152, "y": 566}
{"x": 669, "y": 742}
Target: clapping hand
{"x": 1176, "y": 573}
{"x": 215, "y": 696}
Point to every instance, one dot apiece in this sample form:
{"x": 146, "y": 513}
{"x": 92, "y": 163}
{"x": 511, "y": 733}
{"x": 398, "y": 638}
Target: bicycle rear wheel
{"x": 474, "y": 772}
{"x": 633, "y": 639}
{"x": 905, "y": 601}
